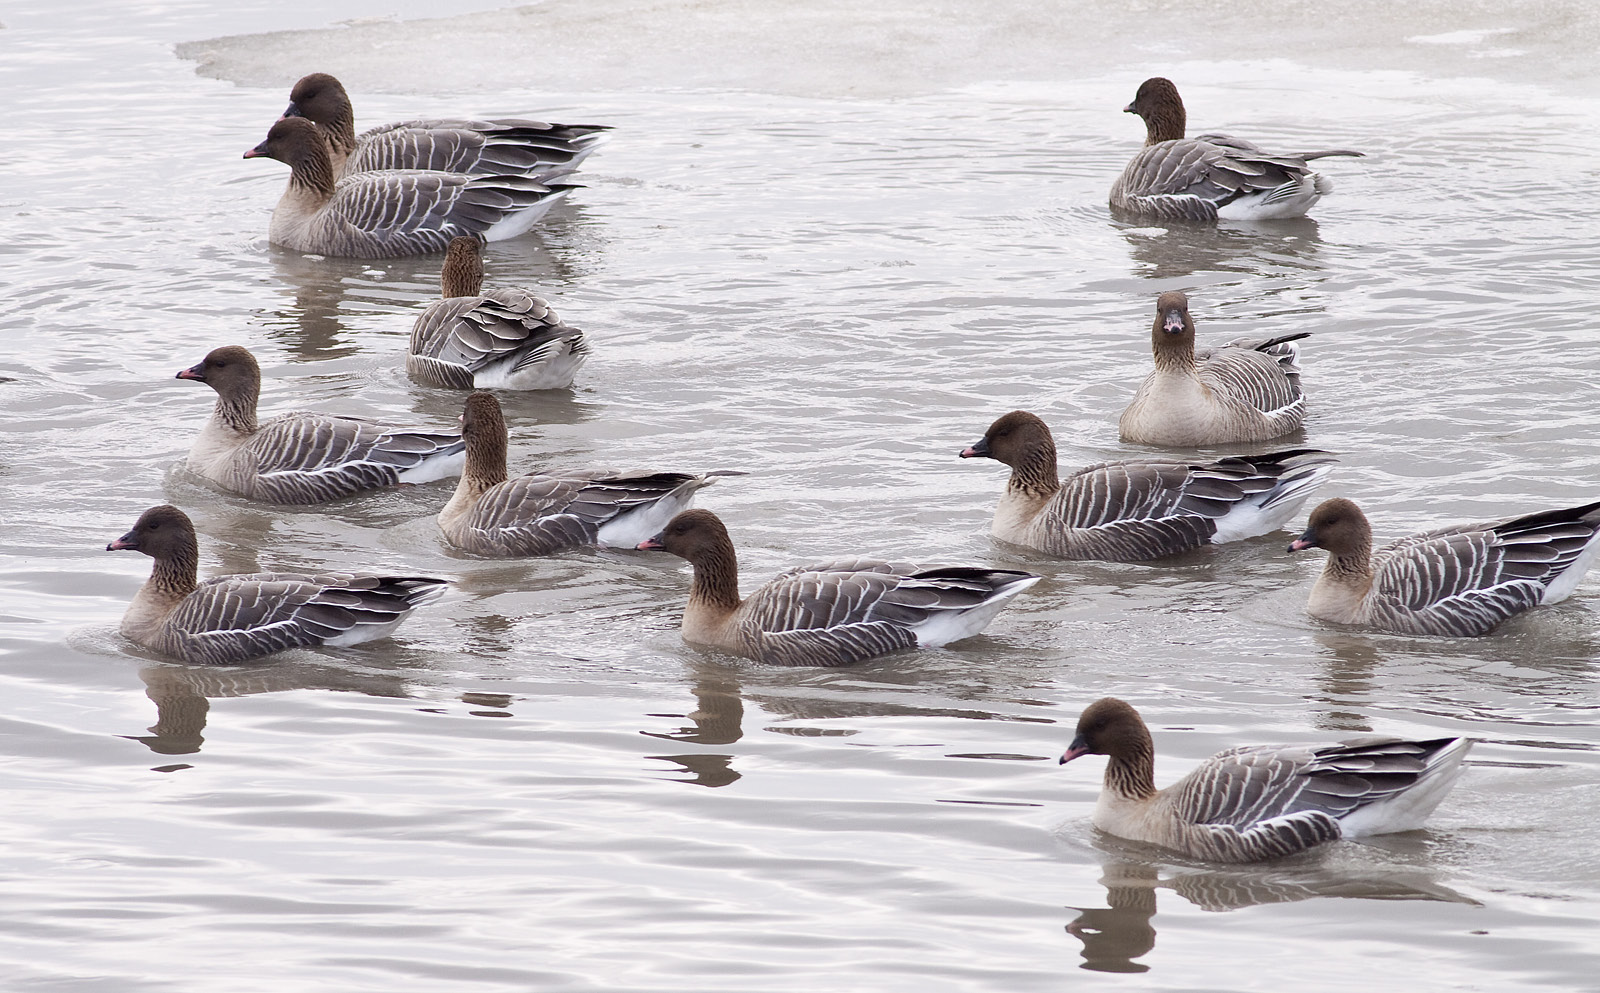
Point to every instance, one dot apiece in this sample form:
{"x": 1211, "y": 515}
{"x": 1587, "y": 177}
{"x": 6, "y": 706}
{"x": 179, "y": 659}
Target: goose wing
{"x": 457, "y": 337}
{"x": 311, "y": 458}
{"x": 822, "y": 617}
{"x": 1190, "y": 178}
{"x": 406, "y": 212}
{"x": 1466, "y": 579}
{"x": 498, "y": 147}
{"x": 539, "y": 514}
{"x": 1262, "y": 374}
{"x": 233, "y": 618}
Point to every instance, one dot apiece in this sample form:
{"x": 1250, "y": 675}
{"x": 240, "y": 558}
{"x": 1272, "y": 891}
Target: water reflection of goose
{"x": 183, "y": 694}
{"x": 1180, "y": 252}
{"x": 1114, "y": 935}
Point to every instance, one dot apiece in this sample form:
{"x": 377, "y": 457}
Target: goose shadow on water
{"x": 1115, "y": 935}
{"x": 1177, "y": 251}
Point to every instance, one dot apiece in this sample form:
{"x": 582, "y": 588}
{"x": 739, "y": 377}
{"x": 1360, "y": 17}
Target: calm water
{"x": 831, "y": 273}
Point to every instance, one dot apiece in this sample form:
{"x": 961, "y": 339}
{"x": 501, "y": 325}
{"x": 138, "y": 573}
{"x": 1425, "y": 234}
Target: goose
{"x": 547, "y": 512}
{"x": 1140, "y": 508}
{"x": 378, "y": 215}
{"x": 303, "y": 458}
{"x": 236, "y": 618}
{"x": 833, "y": 613}
{"x": 1209, "y": 176}
{"x": 1260, "y": 802}
{"x": 477, "y": 338}
{"x": 502, "y": 147}
{"x": 1459, "y": 581}
{"x": 1246, "y": 390}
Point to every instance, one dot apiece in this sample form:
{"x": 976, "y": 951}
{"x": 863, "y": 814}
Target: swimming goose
{"x": 303, "y": 458}
{"x": 1174, "y": 178}
{"x": 378, "y": 215}
{"x": 1141, "y": 508}
{"x": 235, "y": 618}
{"x": 833, "y": 613}
{"x": 499, "y": 147}
{"x": 1459, "y": 581}
{"x": 1246, "y": 390}
{"x": 1262, "y": 801}
{"x": 547, "y": 512}
{"x": 480, "y": 338}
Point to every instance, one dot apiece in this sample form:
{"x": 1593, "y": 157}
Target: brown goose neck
{"x": 716, "y": 577}
{"x": 1035, "y": 471}
{"x": 486, "y": 458}
{"x": 1172, "y": 353}
{"x": 237, "y": 407}
{"x": 313, "y": 172}
{"x": 1131, "y": 772}
{"x": 176, "y": 573}
{"x": 1165, "y": 124}
{"x": 462, "y": 275}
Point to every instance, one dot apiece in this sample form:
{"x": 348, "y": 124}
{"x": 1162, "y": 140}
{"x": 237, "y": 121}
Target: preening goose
{"x": 1174, "y": 178}
{"x": 1140, "y": 508}
{"x": 235, "y": 618}
{"x": 378, "y": 215}
{"x": 303, "y": 458}
{"x": 487, "y": 338}
{"x": 1262, "y": 801}
{"x": 1457, "y": 581}
{"x": 547, "y": 512}
{"x": 499, "y": 147}
{"x": 833, "y": 613}
{"x": 1246, "y": 390}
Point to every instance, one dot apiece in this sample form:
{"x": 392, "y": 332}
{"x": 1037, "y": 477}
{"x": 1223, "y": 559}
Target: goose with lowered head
{"x": 1209, "y": 176}
{"x": 490, "y": 338}
{"x": 1458, "y": 581}
{"x": 1260, "y": 802}
{"x": 380, "y": 215}
{"x": 546, "y": 512}
{"x": 237, "y": 618}
{"x": 503, "y": 146}
{"x": 1245, "y": 390}
{"x": 301, "y": 457}
{"x": 1138, "y": 508}
{"x": 832, "y": 613}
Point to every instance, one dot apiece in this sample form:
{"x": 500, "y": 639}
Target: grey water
{"x": 825, "y": 245}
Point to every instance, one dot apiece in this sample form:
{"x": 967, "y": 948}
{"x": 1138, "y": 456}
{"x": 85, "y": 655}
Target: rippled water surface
{"x": 831, "y": 273}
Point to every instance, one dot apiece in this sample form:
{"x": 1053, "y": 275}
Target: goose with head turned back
{"x": 490, "y": 338}
{"x": 547, "y": 512}
{"x": 832, "y": 613}
{"x": 1139, "y": 508}
{"x": 1459, "y": 581}
{"x": 237, "y": 618}
{"x": 303, "y": 458}
{"x": 1246, "y": 390}
{"x": 1262, "y": 801}
{"x": 1175, "y": 178}
{"x": 499, "y": 147}
{"x": 380, "y": 215}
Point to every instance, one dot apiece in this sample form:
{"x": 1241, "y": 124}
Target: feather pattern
{"x": 502, "y": 146}
{"x": 388, "y": 214}
{"x": 236, "y": 618}
{"x": 1259, "y": 802}
{"x": 1459, "y": 581}
{"x": 303, "y": 458}
{"x": 832, "y": 613}
{"x": 1139, "y": 508}
{"x": 1199, "y": 179}
{"x": 1245, "y": 390}
{"x": 480, "y": 338}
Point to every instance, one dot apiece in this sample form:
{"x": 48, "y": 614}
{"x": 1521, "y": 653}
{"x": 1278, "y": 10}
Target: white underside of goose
{"x": 521, "y": 222}
{"x": 551, "y": 367}
{"x": 629, "y": 528}
{"x": 435, "y": 467}
{"x": 1290, "y": 200}
{"x": 948, "y": 626}
{"x": 1264, "y": 513}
